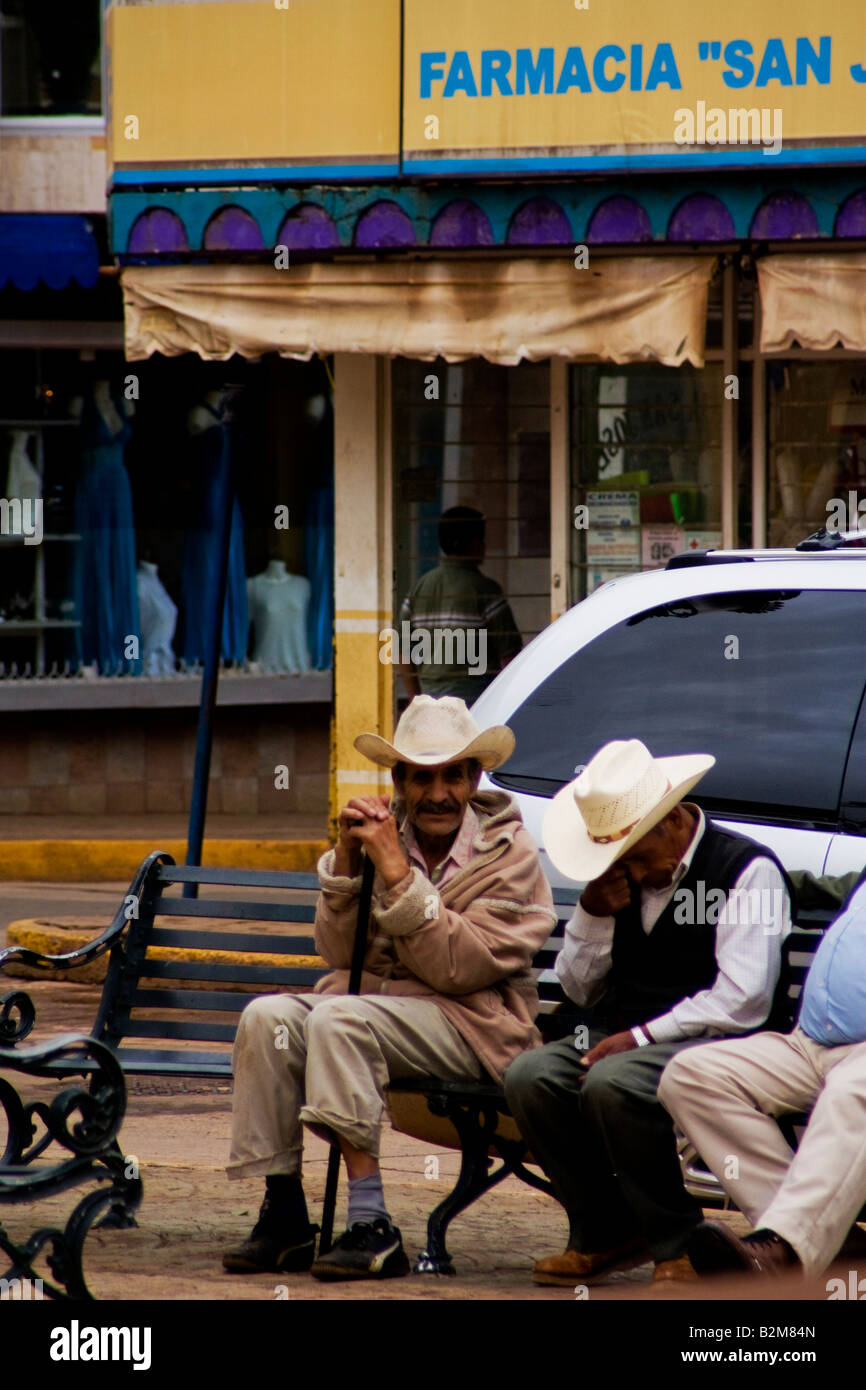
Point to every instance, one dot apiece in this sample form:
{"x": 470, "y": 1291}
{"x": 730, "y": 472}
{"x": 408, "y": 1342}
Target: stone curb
{"x": 54, "y": 938}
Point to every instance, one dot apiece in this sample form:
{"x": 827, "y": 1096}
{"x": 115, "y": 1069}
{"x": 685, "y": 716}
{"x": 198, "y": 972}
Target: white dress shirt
{"x": 749, "y": 932}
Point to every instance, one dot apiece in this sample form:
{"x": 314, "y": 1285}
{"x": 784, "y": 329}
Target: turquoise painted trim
{"x": 659, "y": 196}
{"x": 655, "y": 163}
{"x": 224, "y": 175}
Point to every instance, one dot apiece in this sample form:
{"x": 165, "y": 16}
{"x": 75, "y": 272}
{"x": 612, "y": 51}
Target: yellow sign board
{"x": 304, "y": 88}
{"x": 514, "y": 86}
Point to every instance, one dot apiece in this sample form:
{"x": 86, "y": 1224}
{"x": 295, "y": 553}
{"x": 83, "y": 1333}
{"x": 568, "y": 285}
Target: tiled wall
{"x": 123, "y": 762}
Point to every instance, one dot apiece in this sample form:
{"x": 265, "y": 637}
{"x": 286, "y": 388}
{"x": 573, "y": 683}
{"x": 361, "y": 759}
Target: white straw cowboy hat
{"x": 621, "y": 794}
{"x": 438, "y": 731}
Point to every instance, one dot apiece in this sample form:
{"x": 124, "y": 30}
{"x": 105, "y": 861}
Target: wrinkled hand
{"x": 607, "y": 894}
{"x": 366, "y": 822}
{"x": 617, "y": 1042}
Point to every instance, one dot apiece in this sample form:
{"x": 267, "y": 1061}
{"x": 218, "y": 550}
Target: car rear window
{"x": 769, "y": 682}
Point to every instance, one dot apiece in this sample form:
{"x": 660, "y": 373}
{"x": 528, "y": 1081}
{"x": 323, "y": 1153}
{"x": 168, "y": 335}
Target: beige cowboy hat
{"x": 431, "y": 731}
{"x": 621, "y": 794}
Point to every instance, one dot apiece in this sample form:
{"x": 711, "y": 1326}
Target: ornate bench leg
{"x": 474, "y": 1124}
{"x": 126, "y": 1194}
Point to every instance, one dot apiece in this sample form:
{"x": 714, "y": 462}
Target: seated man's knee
{"x": 689, "y": 1071}
{"x": 524, "y": 1073}
{"x": 260, "y": 1015}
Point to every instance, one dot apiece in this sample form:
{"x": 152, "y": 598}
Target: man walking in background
{"x": 466, "y": 627}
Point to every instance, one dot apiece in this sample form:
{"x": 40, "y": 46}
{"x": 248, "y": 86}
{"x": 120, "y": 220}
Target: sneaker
{"x": 272, "y": 1249}
{"x": 365, "y": 1251}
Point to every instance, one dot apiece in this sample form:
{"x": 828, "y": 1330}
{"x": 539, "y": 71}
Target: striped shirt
{"x": 474, "y": 622}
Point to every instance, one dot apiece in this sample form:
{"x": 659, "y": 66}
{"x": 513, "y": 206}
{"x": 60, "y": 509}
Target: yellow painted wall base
{"x": 101, "y": 861}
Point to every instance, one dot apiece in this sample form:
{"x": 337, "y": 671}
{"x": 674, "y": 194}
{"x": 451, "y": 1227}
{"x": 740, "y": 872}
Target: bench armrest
{"x": 100, "y": 944}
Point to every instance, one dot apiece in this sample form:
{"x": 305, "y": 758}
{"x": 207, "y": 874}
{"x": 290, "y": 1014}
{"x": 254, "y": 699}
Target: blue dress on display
{"x": 319, "y": 564}
{"x": 213, "y": 453}
{"x": 105, "y": 582}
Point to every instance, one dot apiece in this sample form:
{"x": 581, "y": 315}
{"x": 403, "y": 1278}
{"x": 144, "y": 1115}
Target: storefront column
{"x": 560, "y": 505}
{"x": 759, "y": 433}
{"x": 729, "y": 407}
{"x": 363, "y": 568}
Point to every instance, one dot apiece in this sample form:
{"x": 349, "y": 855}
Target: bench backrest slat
{"x": 243, "y": 878}
{"x": 245, "y": 911}
{"x": 207, "y": 1000}
{"x": 233, "y": 941}
{"x": 181, "y": 1028}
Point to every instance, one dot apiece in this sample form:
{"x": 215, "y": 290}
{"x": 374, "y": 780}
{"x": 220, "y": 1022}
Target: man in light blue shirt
{"x": 724, "y": 1096}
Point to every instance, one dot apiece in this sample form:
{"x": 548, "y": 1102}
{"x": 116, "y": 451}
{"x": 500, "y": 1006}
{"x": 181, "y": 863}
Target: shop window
{"x": 108, "y": 523}
{"x": 646, "y": 467}
{"x": 51, "y": 58}
{"x": 475, "y": 435}
{"x": 816, "y": 416}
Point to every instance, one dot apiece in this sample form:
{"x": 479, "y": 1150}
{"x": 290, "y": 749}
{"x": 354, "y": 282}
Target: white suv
{"x": 758, "y": 657}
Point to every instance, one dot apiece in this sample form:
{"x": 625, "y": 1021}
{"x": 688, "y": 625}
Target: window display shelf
{"x": 161, "y": 692}
{"x": 16, "y": 627}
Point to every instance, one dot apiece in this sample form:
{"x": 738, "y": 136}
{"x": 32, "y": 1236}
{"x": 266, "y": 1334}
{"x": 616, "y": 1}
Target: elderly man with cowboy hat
{"x": 460, "y": 906}
{"x": 679, "y": 929}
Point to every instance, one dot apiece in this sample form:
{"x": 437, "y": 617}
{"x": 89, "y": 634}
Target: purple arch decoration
{"x": 619, "y": 219}
{"x": 233, "y": 229}
{"x": 784, "y": 217}
{"x": 461, "y": 223}
{"x": 156, "y": 231}
{"x": 851, "y": 218}
{"x": 382, "y": 225}
{"x": 308, "y": 228}
{"x": 539, "y": 222}
{"x": 701, "y": 217}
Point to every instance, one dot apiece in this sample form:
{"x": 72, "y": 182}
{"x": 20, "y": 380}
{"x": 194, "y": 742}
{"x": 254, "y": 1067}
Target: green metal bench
{"x": 178, "y": 1004}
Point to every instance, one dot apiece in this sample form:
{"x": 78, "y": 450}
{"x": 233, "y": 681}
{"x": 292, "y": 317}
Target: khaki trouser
{"x": 325, "y": 1060}
{"x": 723, "y": 1094}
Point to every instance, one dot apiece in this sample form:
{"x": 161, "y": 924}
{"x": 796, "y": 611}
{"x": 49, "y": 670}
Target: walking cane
{"x": 358, "y": 951}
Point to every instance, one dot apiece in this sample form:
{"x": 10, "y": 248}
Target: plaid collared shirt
{"x": 457, "y": 596}
{"x": 458, "y": 856}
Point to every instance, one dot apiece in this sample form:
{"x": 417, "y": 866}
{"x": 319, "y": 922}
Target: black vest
{"x": 650, "y": 973}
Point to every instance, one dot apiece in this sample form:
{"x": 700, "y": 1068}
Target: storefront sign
{"x": 508, "y": 85}
{"x": 659, "y": 544}
{"x": 308, "y": 89}
{"x": 301, "y": 89}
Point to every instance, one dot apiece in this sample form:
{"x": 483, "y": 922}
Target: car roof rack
{"x": 706, "y": 557}
{"x": 823, "y": 539}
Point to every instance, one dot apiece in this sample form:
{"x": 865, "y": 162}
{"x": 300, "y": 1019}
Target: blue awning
{"x": 52, "y": 247}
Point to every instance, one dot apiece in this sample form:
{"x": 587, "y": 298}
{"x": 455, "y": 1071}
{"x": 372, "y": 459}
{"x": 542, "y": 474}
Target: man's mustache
{"x": 429, "y": 808}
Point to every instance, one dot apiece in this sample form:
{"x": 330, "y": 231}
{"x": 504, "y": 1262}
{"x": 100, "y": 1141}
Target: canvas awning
{"x": 817, "y": 300}
{"x": 619, "y": 309}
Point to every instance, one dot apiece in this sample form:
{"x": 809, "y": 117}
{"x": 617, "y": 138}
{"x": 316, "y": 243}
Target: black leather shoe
{"x": 714, "y": 1249}
{"x": 367, "y": 1250}
{"x": 265, "y": 1253}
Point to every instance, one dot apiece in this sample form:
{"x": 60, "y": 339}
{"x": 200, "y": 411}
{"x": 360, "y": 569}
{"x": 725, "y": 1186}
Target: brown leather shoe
{"x": 573, "y": 1266}
{"x": 713, "y": 1249}
{"x": 678, "y": 1271}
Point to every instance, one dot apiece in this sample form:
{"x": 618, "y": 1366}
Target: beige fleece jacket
{"x": 467, "y": 946}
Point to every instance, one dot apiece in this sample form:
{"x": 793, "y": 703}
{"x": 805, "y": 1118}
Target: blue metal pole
{"x": 210, "y": 676}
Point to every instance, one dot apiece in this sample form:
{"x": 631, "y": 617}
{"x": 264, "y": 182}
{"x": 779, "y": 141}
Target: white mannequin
{"x": 158, "y": 618}
{"x": 278, "y": 603}
{"x": 23, "y": 478}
